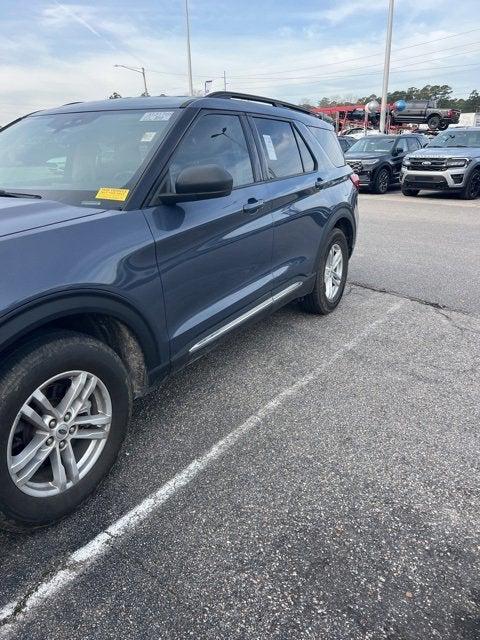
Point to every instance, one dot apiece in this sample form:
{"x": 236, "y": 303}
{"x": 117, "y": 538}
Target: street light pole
{"x": 145, "y": 81}
{"x": 386, "y": 67}
{"x": 137, "y": 70}
{"x": 189, "y": 53}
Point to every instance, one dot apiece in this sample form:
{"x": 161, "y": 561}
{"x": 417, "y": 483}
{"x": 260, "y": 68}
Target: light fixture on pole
{"x": 386, "y": 67}
{"x": 189, "y": 53}
{"x": 140, "y": 70}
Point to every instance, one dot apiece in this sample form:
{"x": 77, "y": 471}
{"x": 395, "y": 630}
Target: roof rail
{"x": 246, "y": 96}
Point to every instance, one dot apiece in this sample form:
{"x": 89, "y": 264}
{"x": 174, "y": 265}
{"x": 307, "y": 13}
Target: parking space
{"x": 336, "y": 492}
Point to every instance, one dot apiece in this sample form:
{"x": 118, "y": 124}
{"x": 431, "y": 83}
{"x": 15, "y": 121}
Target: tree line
{"x": 440, "y": 92}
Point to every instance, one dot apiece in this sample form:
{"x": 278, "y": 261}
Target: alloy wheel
{"x": 333, "y": 271}
{"x": 59, "y": 433}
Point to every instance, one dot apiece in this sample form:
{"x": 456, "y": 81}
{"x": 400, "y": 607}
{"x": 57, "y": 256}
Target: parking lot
{"x": 336, "y": 492}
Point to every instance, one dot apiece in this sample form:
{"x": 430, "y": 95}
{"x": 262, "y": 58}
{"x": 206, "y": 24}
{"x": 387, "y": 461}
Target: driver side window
{"x": 402, "y": 145}
{"x": 213, "y": 139}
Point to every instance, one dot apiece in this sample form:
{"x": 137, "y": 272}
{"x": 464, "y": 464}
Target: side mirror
{"x": 398, "y": 152}
{"x": 200, "y": 183}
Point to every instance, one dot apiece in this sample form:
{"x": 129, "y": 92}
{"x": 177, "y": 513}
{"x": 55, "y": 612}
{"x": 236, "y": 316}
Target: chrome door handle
{"x": 252, "y": 206}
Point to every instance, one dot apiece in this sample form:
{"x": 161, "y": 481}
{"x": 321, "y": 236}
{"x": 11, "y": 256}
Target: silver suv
{"x": 451, "y": 162}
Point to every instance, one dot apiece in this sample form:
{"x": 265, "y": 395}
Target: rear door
{"x": 214, "y": 256}
{"x": 299, "y": 193}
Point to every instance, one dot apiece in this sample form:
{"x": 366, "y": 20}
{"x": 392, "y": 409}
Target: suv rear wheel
{"x": 331, "y": 276}
{"x": 65, "y": 404}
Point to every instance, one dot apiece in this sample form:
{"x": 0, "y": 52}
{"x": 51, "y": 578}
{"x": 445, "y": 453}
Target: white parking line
{"x": 84, "y": 557}
{"x": 420, "y": 200}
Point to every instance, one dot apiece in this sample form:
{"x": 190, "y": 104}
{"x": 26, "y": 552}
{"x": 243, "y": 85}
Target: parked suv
{"x": 135, "y": 234}
{"x": 451, "y": 162}
{"x": 377, "y": 160}
{"x": 425, "y": 111}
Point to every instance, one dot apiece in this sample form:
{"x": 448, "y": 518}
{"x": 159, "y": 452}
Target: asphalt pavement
{"x": 311, "y": 478}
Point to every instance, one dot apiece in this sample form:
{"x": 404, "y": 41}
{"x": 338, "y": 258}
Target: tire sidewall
{"x": 376, "y": 181}
{"x": 335, "y": 237}
{"x": 466, "y": 193}
{"x": 30, "y": 372}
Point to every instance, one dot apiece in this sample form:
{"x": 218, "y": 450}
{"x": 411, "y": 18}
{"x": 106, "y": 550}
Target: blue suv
{"x": 134, "y": 234}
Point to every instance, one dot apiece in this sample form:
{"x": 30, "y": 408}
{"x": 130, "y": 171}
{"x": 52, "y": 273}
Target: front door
{"x": 215, "y": 255}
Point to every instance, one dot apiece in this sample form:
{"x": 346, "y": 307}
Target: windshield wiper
{"x": 16, "y": 194}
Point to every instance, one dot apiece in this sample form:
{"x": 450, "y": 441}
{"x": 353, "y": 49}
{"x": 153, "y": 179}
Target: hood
{"x": 446, "y": 152}
{"x": 23, "y": 214}
{"x": 364, "y": 155}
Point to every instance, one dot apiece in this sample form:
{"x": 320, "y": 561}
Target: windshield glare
{"x": 71, "y": 157}
{"x": 372, "y": 143}
{"x": 452, "y": 138}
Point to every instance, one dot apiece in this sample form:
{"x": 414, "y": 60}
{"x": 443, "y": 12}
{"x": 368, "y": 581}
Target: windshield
{"x": 89, "y": 158}
{"x": 452, "y": 138}
{"x": 372, "y": 144}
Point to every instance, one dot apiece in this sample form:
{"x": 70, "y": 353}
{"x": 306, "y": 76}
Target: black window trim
{"x": 252, "y": 149}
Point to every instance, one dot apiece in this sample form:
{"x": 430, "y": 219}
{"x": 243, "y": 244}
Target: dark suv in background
{"x": 377, "y": 159}
{"x": 135, "y": 234}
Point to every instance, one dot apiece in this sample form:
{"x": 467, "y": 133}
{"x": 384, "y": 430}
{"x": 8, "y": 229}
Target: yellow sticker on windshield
{"x": 109, "y": 193}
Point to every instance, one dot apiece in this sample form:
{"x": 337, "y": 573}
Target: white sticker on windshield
{"x": 270, "y": 148}
{"x": 148, "y": 136}
{"x": 155, "y": 116}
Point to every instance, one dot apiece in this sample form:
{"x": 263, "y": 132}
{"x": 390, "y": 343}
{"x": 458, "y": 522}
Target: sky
{"x": 53, "y": 52}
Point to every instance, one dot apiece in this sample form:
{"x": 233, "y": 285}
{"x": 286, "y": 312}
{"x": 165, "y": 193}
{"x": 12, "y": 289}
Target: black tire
{"x": 434, "y": 122}
{"x": 443, "y": 125}
{"x": 25, "y": 371}
{"x": 471, "y": 190}
{"x": 381, "y": 181}
{"x": 410, "y": 192}
{"x": 317, "y": 301}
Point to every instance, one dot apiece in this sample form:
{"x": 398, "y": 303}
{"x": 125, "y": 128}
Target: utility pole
{"x": 224, "y": 80}
{"x": 189, "y": 53}
{"x": 386, "y": 67}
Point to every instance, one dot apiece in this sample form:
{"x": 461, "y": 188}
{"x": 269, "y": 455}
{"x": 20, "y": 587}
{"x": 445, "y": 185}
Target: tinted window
{"x": 280, "y": 148}
{"x": 307, "y": 158}
{"x": 413, "y": 144}
{"x": 213, "y": 139}
{"x": 457, "y": 138}
{"x": 375, "y": 144}
{"x": 329, "y": 143}
{"x": 402, "y": 145}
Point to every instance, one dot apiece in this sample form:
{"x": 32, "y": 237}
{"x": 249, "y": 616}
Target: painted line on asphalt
{"x": 78, "y": 562}
{"x": 462, "y": 204}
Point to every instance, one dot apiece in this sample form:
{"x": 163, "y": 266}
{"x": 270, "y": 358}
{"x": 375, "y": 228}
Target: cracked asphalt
{"x": 349, "y": 511}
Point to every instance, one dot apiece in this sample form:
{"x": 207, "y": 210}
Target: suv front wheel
{"x": 65, "y": 405}
{"x": 331, "y": 276}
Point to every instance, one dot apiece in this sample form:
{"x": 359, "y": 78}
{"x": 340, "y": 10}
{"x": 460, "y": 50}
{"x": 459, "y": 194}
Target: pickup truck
{"x": 425, "y": 111}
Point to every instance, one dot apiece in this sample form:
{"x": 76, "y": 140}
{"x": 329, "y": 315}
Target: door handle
{"x": 253, "y": 205}
{"x": 319, "y": 184}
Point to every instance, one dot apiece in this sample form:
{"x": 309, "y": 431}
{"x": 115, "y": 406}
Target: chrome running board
{"x": 245, "y": 316}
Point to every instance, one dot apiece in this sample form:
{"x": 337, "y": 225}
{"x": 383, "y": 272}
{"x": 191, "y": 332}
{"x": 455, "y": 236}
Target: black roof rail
{"x": 246, "y": 96}
{"x": 67, "y": 104}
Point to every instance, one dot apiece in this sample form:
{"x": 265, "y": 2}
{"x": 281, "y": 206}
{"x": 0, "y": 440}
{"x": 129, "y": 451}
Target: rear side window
{"x": 330, "y": 145}
{"x": 213, "y": 139}
{"x": 279, "y": 147}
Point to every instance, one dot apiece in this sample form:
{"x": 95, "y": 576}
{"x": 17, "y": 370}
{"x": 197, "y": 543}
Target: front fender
{"x": 46, "y": 309}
